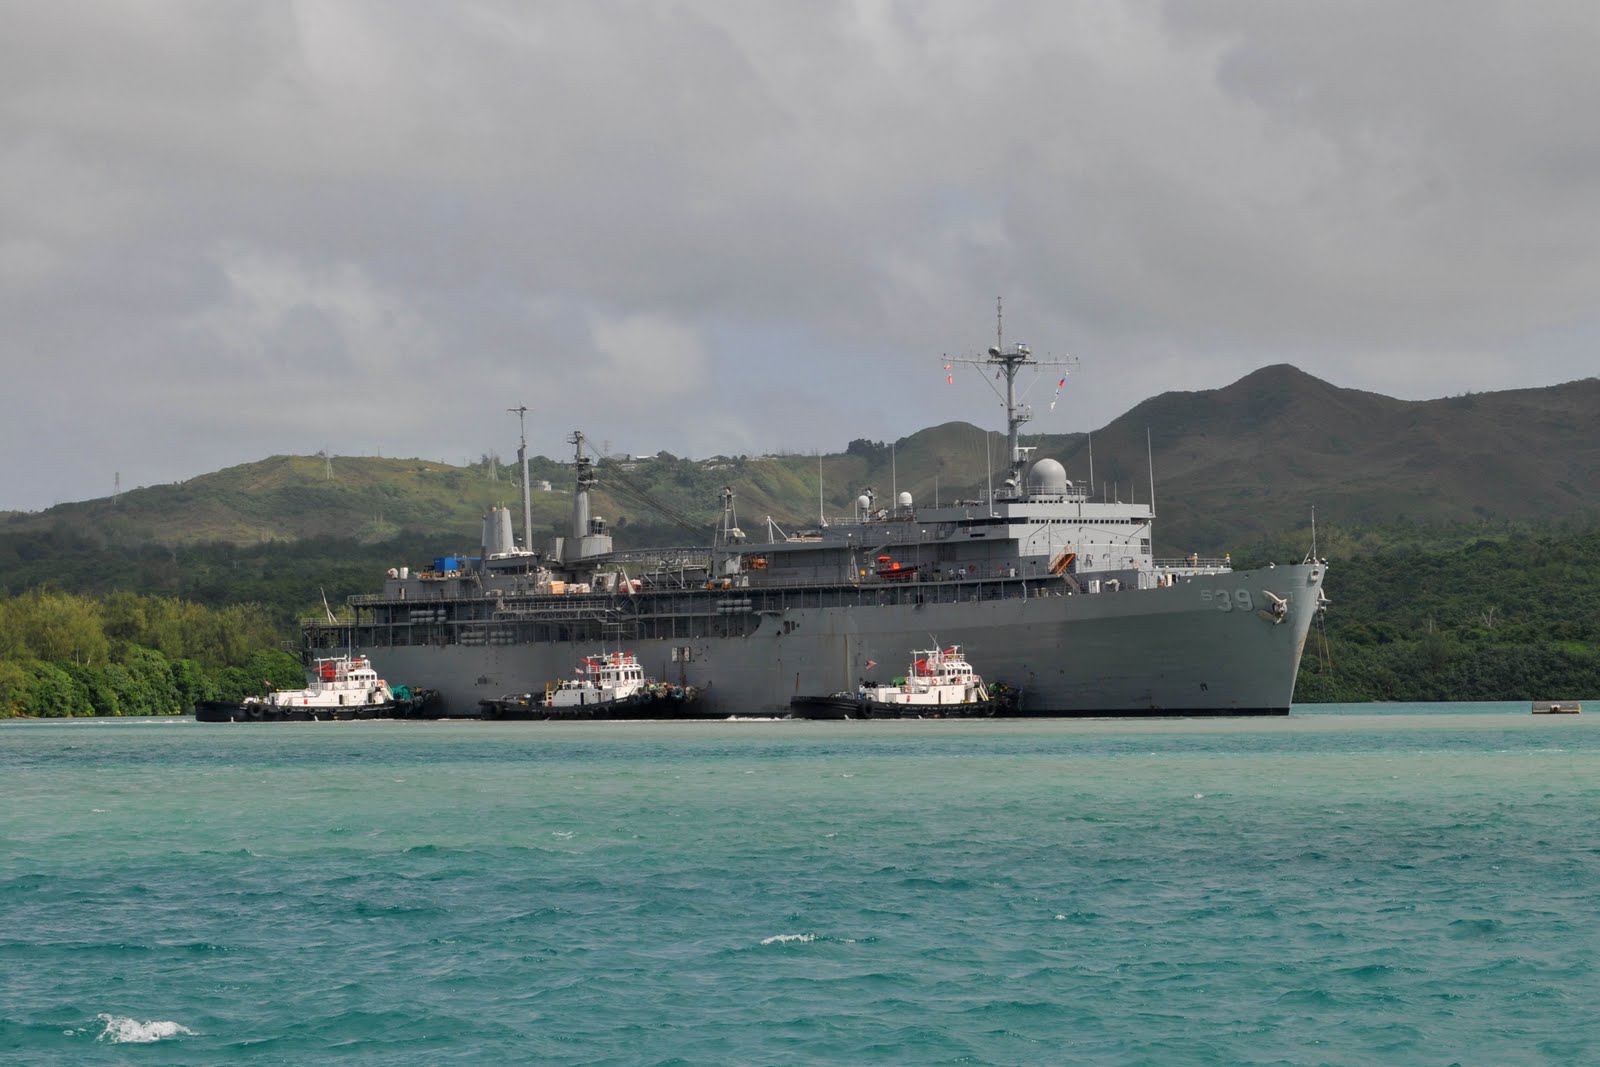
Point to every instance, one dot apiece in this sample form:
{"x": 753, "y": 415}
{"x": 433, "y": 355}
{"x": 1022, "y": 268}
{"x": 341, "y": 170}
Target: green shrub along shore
{"x": 62, "y": 654}
{"x": 1428, "y": 613}
{"x": 1419, "y": 612}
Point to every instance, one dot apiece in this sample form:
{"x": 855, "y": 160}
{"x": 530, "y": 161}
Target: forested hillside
{"x": 1231, "y": 465}
{"x": 1430, "y": 613}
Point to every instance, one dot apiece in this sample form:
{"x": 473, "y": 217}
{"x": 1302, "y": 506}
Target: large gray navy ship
{"x": 1054, "y": 594}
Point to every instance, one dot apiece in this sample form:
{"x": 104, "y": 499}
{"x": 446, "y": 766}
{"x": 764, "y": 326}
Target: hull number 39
{"x": 1222, "y": 600}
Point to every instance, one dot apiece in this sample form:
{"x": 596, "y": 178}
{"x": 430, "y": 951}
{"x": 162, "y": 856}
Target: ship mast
{"x": 1007, "y": 362}
{"x": 521, "y": 412}
{"x": 584, "y": 482}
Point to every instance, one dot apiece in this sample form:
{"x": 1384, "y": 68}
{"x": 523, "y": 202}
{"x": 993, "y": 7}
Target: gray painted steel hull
{"x": 1198, "y": 647}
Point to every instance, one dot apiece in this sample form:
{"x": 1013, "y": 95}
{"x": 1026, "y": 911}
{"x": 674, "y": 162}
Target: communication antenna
{"x": 1091, "y": 462}
{"x": 116, "y": 488}
{"x": 1007, "y": 362}
{"x": 988, "y": 464}
{"x": 822, "y": 518}
{"x": 1150, "y": 461}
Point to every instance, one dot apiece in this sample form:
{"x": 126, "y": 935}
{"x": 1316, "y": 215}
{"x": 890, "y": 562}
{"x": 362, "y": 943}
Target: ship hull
{"x": 1206, "y": 645}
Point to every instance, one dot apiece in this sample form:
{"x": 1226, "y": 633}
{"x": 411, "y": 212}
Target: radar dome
{"x": 905, "y": 500}
{"x": 863, "y": 501}
{"x": 1047, "y": 476}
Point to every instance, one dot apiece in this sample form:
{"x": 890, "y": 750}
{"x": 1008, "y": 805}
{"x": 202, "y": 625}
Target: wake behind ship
{"x": 1059, "y": 596}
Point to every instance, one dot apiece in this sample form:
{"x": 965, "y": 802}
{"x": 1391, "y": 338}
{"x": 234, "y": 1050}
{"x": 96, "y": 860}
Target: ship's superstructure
{"x": 1057, "y": 594}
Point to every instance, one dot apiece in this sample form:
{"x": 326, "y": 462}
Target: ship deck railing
{"x": 536, "y": 600}
{"x": 1193, "y": 565}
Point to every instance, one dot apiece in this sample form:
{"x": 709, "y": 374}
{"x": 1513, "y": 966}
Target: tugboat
{"x": 939, "y": 684}
{"x": 609, "y": 686}
{"x": 342, "y": 687}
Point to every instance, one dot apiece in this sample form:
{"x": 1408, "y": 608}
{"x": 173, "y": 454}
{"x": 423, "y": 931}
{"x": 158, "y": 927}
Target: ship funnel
{"x": 497, "y": 536}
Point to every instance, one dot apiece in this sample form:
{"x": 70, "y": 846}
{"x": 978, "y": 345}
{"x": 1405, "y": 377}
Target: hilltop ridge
{"x": 1230, "y": 463}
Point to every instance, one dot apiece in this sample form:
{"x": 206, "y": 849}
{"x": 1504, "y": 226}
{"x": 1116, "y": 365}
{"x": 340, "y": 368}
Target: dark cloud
{"x": 717, "y": 227}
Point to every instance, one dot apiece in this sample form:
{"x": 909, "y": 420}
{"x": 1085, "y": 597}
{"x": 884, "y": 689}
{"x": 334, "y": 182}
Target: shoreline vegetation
{"x": 1420, "y": 612}
{"x": 66, "y": 655}
{"x": 1453, "y": 613}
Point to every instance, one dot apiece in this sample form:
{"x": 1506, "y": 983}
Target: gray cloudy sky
{"x": 235, "y": 229}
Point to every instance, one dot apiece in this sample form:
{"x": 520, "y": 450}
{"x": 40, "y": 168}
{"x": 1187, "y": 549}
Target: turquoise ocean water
{"x": 1353, "y": 885}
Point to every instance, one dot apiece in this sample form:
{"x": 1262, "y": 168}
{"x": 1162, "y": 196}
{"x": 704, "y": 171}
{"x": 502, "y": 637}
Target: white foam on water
{"x": 125, "y": 1030}
{"x": 780, "y": 939}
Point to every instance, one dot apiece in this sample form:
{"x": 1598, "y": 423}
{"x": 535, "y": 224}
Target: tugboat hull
{"x": 663, "y": 707}
{"x": 423, "y": 704}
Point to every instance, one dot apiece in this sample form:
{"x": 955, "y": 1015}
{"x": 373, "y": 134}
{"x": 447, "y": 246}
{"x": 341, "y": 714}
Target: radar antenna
{"x": 1007, "y": 362}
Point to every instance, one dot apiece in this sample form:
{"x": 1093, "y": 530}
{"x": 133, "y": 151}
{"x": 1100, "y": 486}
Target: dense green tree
{"x": 102, "y": 690}
{"x": 1456, "y": 613}
{"x": 53, "y": 693}
{"x": 262, "y": 670}
{"x": 65, "y": 654}
{"x": 58, "y": 627}
{"x": 16, "y": 689}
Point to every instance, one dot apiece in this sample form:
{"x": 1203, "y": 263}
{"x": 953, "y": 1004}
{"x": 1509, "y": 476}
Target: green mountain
{"x": 1256, "y": 456}
{"x": 1231, "y": 465}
